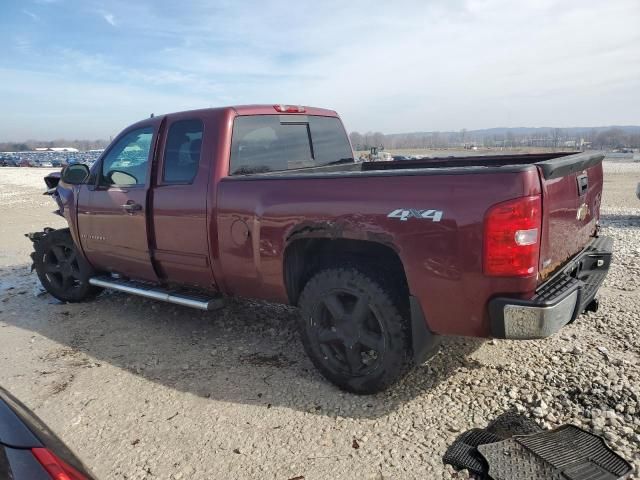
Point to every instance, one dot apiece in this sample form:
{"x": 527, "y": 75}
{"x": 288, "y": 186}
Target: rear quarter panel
{"x": 258, "y": 215}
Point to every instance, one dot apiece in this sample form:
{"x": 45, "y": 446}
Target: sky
{"x": 85, "y": 69}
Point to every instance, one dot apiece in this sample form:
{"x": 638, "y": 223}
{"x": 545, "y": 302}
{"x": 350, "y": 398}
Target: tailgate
{"x": 571, "y": 195}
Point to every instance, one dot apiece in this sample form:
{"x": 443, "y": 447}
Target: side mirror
{"x": 75, "y": 174}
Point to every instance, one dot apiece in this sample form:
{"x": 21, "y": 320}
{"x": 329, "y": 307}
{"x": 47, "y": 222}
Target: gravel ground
{"x": 144, "y": 390}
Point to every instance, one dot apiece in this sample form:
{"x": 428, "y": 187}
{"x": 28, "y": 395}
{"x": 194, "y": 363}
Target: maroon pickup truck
{"x": 382, "y": 258}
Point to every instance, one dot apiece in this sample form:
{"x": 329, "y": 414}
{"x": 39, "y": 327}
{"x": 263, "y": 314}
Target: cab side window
{"x": 182, "y": 151}
{"x": 126, "y": 163}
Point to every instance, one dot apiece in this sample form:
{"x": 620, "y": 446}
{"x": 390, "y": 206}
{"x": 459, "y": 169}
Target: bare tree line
{"x": 607, "y": 138}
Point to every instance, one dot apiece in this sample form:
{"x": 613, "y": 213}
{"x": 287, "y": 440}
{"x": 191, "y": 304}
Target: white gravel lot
{"x": 144, "y": 390}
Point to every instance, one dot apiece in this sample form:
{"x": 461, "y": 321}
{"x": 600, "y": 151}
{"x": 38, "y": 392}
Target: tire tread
{"x": 63, "y": 237}
{"x": 387, "y": 298}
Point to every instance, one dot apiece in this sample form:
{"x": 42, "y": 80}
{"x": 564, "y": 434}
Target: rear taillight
{"x": 512, "y": 238}
{"x": 289, "y": 108}
{"x": 56, "y": 467}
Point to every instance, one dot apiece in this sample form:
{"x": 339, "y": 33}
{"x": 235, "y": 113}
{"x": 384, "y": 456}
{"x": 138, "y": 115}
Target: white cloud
{"x": 414, "y": 65}
{"x": 65, "y": 106}
{"x": 33, "y": 16}
{"x": 395, "y": 66}
{"x": 486, "y": 66}
{"x": 22, "y": 44}
{"x": 109, "y": 18}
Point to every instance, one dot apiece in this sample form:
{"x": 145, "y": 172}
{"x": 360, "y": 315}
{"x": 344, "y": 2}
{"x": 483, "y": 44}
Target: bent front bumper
{"x": 556, "y": 302}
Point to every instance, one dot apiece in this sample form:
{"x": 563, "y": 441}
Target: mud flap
{"x": 425, "y": 343}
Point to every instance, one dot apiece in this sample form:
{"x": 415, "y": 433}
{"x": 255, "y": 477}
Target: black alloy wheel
{"x": 61, "y": 269}
{"x": 60, "y": 265}
{"x": 355, "y": 329}
{"x": 348, "y": 332}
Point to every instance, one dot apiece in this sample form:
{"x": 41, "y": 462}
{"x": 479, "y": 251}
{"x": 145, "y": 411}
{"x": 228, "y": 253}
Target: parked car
{"x": 29, "y": 450}
{"x": 382, "y": 258}
{"x": 8, "y": 162}
{"x": 26, "y": 163}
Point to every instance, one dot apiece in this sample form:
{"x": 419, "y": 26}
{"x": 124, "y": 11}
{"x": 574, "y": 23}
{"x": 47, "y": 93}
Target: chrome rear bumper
{"x": 556, "y": 302}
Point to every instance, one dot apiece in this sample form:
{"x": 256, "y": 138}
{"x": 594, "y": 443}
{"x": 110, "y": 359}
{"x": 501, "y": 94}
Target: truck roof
{"x": 262, "y": 109}
{"x": 257, "y": 109}
{"x": 270, "y": 109}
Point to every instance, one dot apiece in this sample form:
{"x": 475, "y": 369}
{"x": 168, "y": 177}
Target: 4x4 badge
{"x": 405, "y": 214}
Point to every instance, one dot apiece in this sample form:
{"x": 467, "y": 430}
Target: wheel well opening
{"x": 305, "y": 257}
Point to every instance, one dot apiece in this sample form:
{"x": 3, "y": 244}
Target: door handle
{"x": 583, "y": 184}
{"x": 131, "y": 207}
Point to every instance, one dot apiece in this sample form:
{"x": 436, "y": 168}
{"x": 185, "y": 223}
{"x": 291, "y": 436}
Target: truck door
{"x": 113, "y": 214}
{"x": 180, "y": 241}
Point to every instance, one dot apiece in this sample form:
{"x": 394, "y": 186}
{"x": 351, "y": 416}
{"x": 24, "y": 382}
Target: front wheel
{"x": 354, "y": 331}
{"x": 60, "y": 268}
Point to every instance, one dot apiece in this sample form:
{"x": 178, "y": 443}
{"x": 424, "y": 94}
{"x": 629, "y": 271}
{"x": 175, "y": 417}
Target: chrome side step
{"x": 193, "y": 300}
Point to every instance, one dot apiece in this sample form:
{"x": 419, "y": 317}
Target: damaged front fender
{"x": 36, "y": 237}
{"x": 52, "y": 181}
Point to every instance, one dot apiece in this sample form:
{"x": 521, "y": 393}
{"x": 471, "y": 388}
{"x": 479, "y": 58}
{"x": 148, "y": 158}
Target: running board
{"x": 147, "y": 290}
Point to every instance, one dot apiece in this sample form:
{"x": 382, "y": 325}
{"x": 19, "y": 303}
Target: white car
{"x": 383, "y": 157}
{"x": 46, "y": 164}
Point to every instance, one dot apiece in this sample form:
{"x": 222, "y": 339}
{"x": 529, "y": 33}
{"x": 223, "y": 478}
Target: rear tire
{"x": 62, "y": 271}
{"x": 354, "y": 330}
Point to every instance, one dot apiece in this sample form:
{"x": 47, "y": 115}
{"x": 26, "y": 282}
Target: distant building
{"x": 56, "y": 149}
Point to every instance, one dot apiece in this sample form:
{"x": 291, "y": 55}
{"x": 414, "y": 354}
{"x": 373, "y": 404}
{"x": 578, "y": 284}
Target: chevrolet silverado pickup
{"x": 382, "y": 258}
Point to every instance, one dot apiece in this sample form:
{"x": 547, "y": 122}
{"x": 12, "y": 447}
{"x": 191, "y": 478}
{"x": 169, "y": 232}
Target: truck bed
{"x": 552, "y": 165}
{"x": 443, "y": 259}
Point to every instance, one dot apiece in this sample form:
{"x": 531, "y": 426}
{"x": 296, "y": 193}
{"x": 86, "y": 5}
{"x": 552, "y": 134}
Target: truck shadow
{"x": 247, "y": 352}
{"x": 620, "y": 221}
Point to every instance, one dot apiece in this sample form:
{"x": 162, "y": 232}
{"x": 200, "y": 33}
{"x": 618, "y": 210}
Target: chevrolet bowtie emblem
{"x": 582, "y": 212}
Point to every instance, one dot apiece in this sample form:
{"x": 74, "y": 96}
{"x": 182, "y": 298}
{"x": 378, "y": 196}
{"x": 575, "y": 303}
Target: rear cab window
{"x": 275, "y": 143}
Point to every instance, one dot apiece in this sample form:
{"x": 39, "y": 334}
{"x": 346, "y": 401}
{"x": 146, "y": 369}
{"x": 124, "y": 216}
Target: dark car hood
{"x": 21, "y": 428}
{"x": 13, "y": 428}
